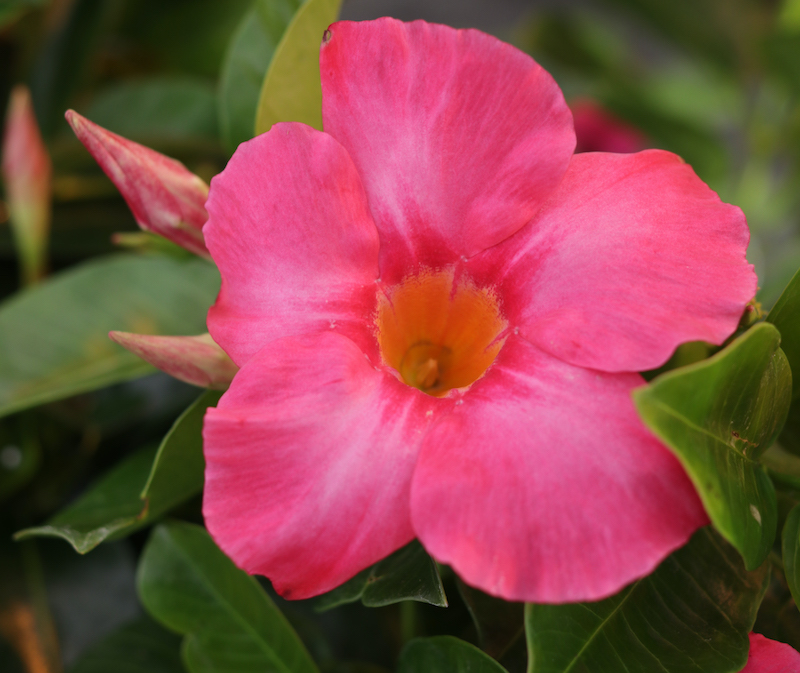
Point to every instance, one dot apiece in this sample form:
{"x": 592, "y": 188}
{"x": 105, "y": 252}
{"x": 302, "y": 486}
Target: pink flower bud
{"x": 597, "y": 130}
{"x": 164, "y": 196}
{"x": 27, "y": 173}
{"x": 196, "y": 360}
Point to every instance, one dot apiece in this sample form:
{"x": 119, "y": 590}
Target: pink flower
{"x": 770, "y": 656}
{"x": 597, "y": 130}
{"x": 438, "y": 312}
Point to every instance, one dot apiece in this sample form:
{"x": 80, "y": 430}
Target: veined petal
{"x": 632, "y": 256}
{"x": 163, "y": 195}
{"x": 196, "y": 360}
{"x": 544, "y": 485}
{"x": 296, "y": 247}
{"x": 458, "y": 137}
{"x": 330, "y": 445}
{"x": 771, "y": 656}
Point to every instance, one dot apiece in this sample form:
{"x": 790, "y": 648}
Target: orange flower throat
{"x": 439, "y": 334}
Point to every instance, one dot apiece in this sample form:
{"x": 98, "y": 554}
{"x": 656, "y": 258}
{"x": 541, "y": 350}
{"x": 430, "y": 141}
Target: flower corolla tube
{"x": 439, "y": 312}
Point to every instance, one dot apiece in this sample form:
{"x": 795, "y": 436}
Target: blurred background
{"x": 715, "y": 81}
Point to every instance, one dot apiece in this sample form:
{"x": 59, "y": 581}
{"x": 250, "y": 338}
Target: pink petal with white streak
{"x": 458, "y": 137}
{"x": 329, "y": 444}
{"x": 296, "y": 247}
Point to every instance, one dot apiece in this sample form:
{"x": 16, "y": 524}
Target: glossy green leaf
{"x": 141, "y": 646}
{"x": 692, "y": 615}
{"x": 177, "y": 472}
{"x": 246, "y": 64}
{"x": 53, "y": 338}
{"x": 139, "y": 490}
{"x": 408, "y": 574}
{"x": 718, "y": 416}
{"x": 445, "y": 654}
{"x": 190, "y": 586}
{"x": 291, "y": 90}
{"x": 157, "y": 109}
{"x": 111, "y": 506}
{"x": 791, "y": 552}
{"x": 785, "y": 315}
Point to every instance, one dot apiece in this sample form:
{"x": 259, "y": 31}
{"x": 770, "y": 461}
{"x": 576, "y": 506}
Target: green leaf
{"x": 692, "y": 615}
{"x": 246, "y": 64}
{"x": 53, "y": 338}
{"x": 718, "y": 416}
{"x": 500, "y": 624}
{"x": 785, "y": 315}
{"x": 190, "y": 586}
{"x": 139, "y": 490}
{"x": 292, "y": 90}
{"x": 445, "y": 654}
{"x": 791, "y": 552}
{"x": 408, "y": 574}
{"x": 177, "y": 472}
{"x": 111, "y": 506}
{"x": 141, "y": 646}
{"x": 158, "y": 109}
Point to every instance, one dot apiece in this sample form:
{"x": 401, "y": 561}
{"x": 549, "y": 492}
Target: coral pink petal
{"x": 329, "y": 444}
{"x": 290, "y": 232}
{"x": 771, "y": 656}
{"x": 163, "y": 195}
{"x": 633, "y": 256}
{"x": 544, "y": 485}
{"x": 196, "y": 360}
{"x": 458, "y": 137}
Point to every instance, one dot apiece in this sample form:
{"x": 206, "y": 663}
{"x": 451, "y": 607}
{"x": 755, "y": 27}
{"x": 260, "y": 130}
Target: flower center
{"x": 437, "y": 333}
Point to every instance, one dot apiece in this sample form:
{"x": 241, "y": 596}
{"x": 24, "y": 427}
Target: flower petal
{"x": 771, "y": 656}
{"x": 309, "y": 458}
{"x": 163, "y": 195}
{"x": 296, "y": 247}
{"x": 458, "y": 137}
{"x": 633, "y": 256}
{"x": 544, "y": 485}
{"x": 196, "y": 360}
